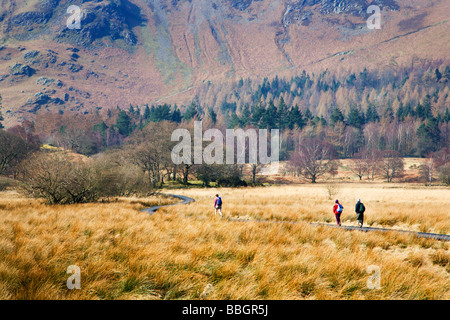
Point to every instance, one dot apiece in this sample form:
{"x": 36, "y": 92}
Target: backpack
{"x": 339, "y": 208}
{"x": 361, "y": 208}
{"x": 219, "y": 201}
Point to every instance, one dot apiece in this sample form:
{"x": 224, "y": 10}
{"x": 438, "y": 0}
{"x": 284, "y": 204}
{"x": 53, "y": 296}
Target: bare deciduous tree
{"x": 12, "y": 150}
{"x": 54, "y": 177}
{"x": 332, "y": 190}
{"x": 118, "y": 176}
{"x": 373, "y": 162}
{"x": 359, "y": 164}
{"x": 427, "y": 169}
{"x": 77, "y": 139}
{"x": 441, "y": 161}
{"x": 392, "y": 164}
{"x": 150, "y": 149}
{"x": 313, "y": 159}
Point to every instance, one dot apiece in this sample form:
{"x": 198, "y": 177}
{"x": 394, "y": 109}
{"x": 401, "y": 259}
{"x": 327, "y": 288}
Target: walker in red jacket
{"x": 337, "y": 210}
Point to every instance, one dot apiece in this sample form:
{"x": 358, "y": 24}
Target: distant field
{"x": 174, "y": 254}
{"x": 344, "y": 174}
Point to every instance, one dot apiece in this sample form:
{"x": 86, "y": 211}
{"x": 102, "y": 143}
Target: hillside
{"x": 147, "y": 51}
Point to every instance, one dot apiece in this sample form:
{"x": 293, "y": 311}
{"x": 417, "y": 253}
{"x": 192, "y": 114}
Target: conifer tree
{"x": 400, "y": 114}
{"x": 296, "y": 118}
{"x": 336, "y": 116}
{"x": 282, "y": 115}
{"x": 146, "y": 112}
{"x": 372, "y": 114}
{"x": 123, "y": 123}
{"x": 355, "y": 118}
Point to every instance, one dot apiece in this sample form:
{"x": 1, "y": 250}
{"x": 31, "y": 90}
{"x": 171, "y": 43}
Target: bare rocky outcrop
{"x": 113, "y": 19}
{"x": 19, "y": 69}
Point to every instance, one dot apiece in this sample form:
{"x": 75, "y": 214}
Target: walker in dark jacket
{"x": 359, "y": 209}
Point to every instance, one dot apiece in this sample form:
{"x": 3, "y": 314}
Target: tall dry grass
{"x": 398, "y": 206}
{"x": 180, "y": 251}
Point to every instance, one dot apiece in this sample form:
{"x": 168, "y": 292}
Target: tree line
{"x": 143, "y": 163}
{"x": 406, "y": 106}
{"x": 374, "y": 120}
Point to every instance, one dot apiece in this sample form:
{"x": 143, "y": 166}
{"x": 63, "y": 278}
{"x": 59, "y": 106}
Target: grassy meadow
{"x": 184, "y": 252}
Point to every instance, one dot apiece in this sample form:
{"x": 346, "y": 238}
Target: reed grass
{"x": 184, "y": 252}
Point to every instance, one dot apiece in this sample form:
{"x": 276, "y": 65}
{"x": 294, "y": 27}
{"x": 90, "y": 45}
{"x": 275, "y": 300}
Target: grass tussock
{"x": 184, "y": 252}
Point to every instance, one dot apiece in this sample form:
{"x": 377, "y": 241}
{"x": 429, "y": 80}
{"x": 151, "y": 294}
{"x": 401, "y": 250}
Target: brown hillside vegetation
{"x": 182, "y": 46}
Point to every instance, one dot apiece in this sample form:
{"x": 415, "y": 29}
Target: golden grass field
{"x": 181, "y": 250}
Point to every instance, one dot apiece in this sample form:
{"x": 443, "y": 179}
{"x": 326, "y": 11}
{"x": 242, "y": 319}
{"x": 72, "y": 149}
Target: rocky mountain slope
{"x": 148, "y": 51}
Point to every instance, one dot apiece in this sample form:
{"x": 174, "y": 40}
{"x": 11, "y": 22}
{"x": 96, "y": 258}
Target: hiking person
{"x": 337, "y": 210}
{"x": 218, "y": 205}
{"x": 359, "y": 209}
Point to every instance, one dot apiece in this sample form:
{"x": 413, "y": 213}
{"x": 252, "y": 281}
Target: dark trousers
{"x": 360, "y": 217}
{"x": 338, "y": 218}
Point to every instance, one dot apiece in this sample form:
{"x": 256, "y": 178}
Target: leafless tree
{"x": 351, "y": 141}
{"x": 359, "y": 164}
{"x": 150, "y": 149}
{"x": 77, "y": 139}
{"x": 332, "y": 190}
{"x": 58, "y": 179}
{"x": 392, "y": 164}
{"x": 441, "y": 161}
{"x": 12, "y": 150}
{"x": 26, "y": 132}
{"x": 427, "y": 169}
{"x": 117, "y": 175}
{"x": 313, "y": 159}
{"x": 373, "y": 159}
{"x": 255, "y": 167}
{"x": 406, "y": 132}
{"x": 372, "y": 135}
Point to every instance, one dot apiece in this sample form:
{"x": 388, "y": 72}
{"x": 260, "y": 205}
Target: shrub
{"x": 61, "y": 180}
{"x": 5, "y": 183}
{"x": 54, "y": 177}
{"x": 120, "y": 179}
{"x": 233, "y": 181}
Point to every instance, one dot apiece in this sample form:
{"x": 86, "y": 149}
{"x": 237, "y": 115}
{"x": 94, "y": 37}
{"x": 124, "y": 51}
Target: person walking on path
{"x": 218, "y": 205}
{"x": 337, "y": 210}
{"x": 359, "y": 209}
